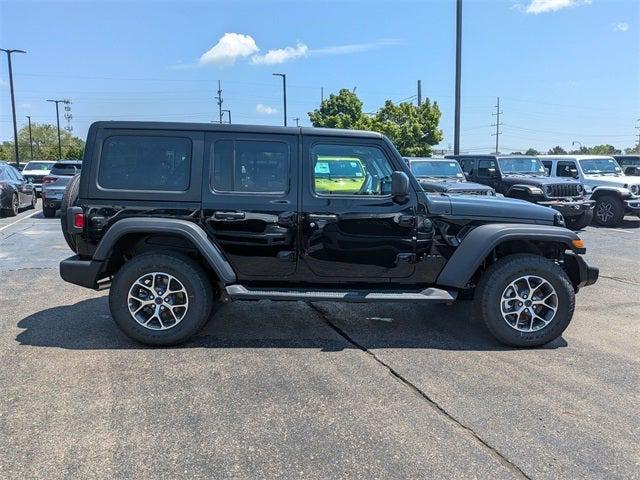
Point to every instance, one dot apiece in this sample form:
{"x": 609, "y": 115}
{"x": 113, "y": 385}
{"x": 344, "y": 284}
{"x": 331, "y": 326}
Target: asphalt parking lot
{"x": 315, "y": 391}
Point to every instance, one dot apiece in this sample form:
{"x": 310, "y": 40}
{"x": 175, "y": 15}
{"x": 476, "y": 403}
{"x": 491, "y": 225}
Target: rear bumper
{"x": 85, "y": 273}
{"x": 570, "y": 209}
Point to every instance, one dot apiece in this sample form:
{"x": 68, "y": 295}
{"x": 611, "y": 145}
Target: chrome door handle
{"x": 228, "y": 215}
{"x": 322, "y": 217}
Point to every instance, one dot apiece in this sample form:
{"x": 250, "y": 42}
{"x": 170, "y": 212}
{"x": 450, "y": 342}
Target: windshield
{"x": 39, "y": 165}
{"x": 522, "y": 165}
{"x": 336, "y": 167}
{"x": 436, "y": 169}
{"x": 596, "y": 166}
{"x": 3, "y": 173}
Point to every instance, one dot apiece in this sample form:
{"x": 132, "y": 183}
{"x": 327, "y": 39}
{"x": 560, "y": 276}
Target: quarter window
{"x": 132, "y": 162}
{"x": 250, "y": 166}
{"x": 350, "y": 170}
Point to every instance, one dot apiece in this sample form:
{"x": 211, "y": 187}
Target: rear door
{"x": 250, "y": 201}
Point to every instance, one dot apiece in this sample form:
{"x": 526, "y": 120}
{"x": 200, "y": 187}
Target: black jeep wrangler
{"x": 176, "y": 217}
{"x": 524, "y": 177}
{"x": 445, "y": 176}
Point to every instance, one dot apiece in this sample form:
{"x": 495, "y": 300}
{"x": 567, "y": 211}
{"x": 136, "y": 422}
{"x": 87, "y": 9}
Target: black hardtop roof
{"x": 490, "y": 155}
{"x": 225, "y": 127}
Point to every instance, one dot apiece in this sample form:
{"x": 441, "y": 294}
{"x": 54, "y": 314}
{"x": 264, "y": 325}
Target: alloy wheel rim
{"x": 529, "y": 303}
{"x": 158, "y": 301}
{"x": 605, "y": 212}
{"x": 15, "y": 204}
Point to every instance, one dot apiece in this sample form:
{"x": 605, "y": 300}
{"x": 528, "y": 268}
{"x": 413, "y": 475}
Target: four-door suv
{"x": 630, "y": 164}
{"x": 524, "y": 177}
{"x": 54, "y": 185}
{"x": 614, "y": 193}
{"x": 444, "y": 176}
{"x": 175, "y": 217}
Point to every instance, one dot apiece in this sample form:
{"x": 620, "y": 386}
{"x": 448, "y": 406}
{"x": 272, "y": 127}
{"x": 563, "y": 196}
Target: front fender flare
{"x": 479, "y": 243}
{"x": 183, "y": 228}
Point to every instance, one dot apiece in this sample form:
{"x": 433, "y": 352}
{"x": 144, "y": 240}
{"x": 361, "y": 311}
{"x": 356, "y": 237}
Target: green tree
{"x": 557, "y": 150}
{"x": 603, "y": 150}
{"x": 412, "y": 129}
{"x": 45, "y": 144}
{"x": 635, "y": 149}
{"x": 532, "y": 151}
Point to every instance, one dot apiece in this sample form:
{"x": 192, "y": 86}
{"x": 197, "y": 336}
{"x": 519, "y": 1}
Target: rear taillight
{"x": 46, "y": 180}
{"x": 78, "y": 220}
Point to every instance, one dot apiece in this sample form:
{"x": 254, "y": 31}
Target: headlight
{"x": 558, "y": 220}
{"x": 491, "y": 193}
{"x": 579, "y": 188}
{"x": 635, "y": 189}
{"x": 535, "y": 191}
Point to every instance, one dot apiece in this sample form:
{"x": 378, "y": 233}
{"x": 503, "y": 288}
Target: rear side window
{"x": 65, "y": 169}
{"x": 136, "y": 162}
{"x": 250, "y": 166}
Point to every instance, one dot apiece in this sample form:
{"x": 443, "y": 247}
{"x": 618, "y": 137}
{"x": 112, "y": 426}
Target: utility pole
{"x": 419, "y": 92}
{"x": 638, "y": 128}
{"x": 297, "y": 119}
{"x": 30, "y": 138}
{"x": 321, "y": 95}
{"x": 456, "y": 127}
{"x": 284, "y": 93}
{"x": 65, "y": 101}
{"x": 220, "y": 101}
{"x": 13, "y": 101}
{"x": 497, "y": 125}
{"x": 229, "y": 112}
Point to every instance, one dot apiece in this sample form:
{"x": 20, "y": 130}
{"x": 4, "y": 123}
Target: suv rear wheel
{"x": 525, "y": 300}
{"x": 161, "y": 298}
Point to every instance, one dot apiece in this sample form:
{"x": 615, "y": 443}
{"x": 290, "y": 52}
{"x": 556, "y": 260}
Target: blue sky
{"x": 566, "y": 70}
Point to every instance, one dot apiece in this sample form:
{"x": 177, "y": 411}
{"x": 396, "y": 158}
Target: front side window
{"x": 487, "y": 168}
{"x": 434, "y": 168}
{"x": 350, "y": 170}
{"x": 600, "y": 166}
{"x": 567, "y": 169}
{"x": 250, "y": 166}
{"x": 135, "y": 162}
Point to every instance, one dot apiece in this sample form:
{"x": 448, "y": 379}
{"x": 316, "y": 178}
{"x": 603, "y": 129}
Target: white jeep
{"x": 615, "y": 193}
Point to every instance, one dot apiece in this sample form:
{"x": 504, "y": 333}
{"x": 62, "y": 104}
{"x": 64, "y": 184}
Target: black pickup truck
{"x": 177, "y": 217}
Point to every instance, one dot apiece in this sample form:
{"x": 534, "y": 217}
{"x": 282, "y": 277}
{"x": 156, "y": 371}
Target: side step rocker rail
{"x": 240, "y": 292}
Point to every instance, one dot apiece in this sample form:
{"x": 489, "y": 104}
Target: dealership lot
{"x": 321, "y": 390}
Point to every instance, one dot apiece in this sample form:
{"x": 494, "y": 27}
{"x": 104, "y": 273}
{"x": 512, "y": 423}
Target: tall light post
{"x": 284, "y": 93}
{"x": 30, "y": 139}
{"x": 456, "y": 127}
{"x": 13, "y": 100}
{"x": 58, "y": 123}
{"x": 579, "y": 143}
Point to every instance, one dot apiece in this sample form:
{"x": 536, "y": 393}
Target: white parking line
{"x": 20, "y": 219}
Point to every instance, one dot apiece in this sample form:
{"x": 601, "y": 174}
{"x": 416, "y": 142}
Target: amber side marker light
{"x": 578, "y": 243}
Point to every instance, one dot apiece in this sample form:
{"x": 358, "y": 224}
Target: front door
{"x": 351, "y": 227}
{"x": 249, "y": 201}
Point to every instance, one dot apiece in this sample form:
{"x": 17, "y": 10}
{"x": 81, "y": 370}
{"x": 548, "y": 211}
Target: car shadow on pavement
{"x": 330, "y": 327}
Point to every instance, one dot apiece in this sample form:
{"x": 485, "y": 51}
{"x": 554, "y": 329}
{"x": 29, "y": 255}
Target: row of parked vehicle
{"x": 39, "y": 178}
{"x": 581, "y": 187}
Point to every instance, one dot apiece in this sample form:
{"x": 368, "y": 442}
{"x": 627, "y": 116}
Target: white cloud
{"x": 229, "y": 48}
{"x": 354, "y": 47}
{"x": 544, "y": 6}
{"x": 621, "y": 27}
{"x": 265, "y": 109}
{"x": 25, "y": 105}
{"x": 281, "y": 55}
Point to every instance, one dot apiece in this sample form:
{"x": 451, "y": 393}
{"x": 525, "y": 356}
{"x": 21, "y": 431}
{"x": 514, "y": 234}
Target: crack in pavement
{"x": 622, "y": 280}
{"x": 500, "y": 457}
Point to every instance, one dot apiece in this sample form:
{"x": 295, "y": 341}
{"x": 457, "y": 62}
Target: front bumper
{"x": 632, "y": 206}
{"x": 85, "y": 273}
{"x": 569, "y": 208}
{"x": 581, "y": 274}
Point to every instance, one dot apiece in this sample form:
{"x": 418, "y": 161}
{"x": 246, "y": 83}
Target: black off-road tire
{"x": 48, "y": 212}
{"x": 69, "y": 200}
{"x": 496, "y": 279}
{"x": 199, "y": 292}
{"x": 580, "y": 221}
{"x": 614, "y": 208}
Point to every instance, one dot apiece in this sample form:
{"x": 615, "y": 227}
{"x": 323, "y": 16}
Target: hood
{"x": 610, "y": 180}
{"x": 451, "y": 185}
{"x": 533, "y": 180}
{"x": 500, "y": 209}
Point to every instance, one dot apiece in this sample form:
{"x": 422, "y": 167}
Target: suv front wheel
{"x": 161, "y": 298}
{"x": 525, "y": 300}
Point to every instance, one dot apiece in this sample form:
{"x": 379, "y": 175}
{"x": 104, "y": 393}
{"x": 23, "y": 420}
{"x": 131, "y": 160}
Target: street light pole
{"x": 456, "y": 128}
{"x": 58, "y": 123}
{"x": 579, "y": 143}
{"x": 13, "y": 101}
{"x": 284, "y": 93}
{"x": 30, "y": 138}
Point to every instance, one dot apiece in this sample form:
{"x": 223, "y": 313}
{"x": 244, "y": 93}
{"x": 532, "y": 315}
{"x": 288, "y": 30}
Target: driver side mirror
{"x": 493, "y": 173}
{"x": 399, "y": 185}
{"x": 573, "y": 172}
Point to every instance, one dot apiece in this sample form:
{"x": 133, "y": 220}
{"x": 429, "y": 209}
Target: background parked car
{"x": 15, "y": 191}
{"x": 630, "y": 164}
{"x": 54, "y": 185}
{"x": 615, "y": 194}
{"x": 443, "y": 175}
{"x": 36, "y": 170}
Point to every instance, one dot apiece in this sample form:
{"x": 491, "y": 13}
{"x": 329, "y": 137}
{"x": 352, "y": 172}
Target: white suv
{"x": 615, "y": 193}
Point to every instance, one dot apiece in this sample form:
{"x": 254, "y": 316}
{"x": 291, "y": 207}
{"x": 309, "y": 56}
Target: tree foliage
{"x": 532, "y": 151}
{"x": 635, "y": 149}
{"x": 413, "y": 129}
{"x": 45, "y": 144}
{"x": 557, "y": 150}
